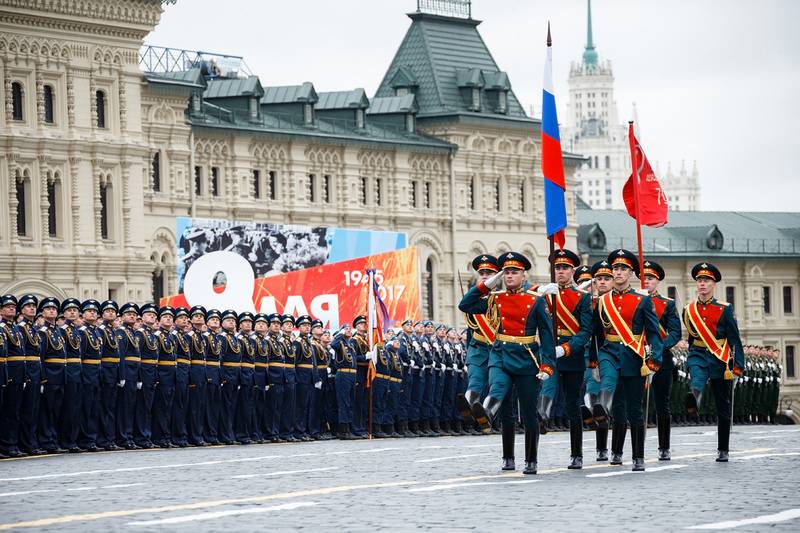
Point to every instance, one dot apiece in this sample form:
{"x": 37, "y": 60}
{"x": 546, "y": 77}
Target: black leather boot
{"x": 484, "y": 414}
{"x": 692, "y": 400}
{"x": 723, "y": 440}
{"x": 664, "y": 428}
{"x": 601, "y": 410}
{"x": 576, "y": 445}
{"x": 464, "y": 406}
{"x": 531, "y": 451}
{"x": 601, "y": 438}
{"x": 617, "y": 443}
{"x": 509, "y": 431}
{"x": 637, "y": 448}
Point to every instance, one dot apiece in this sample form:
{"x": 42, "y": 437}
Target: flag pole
{"x": 553, "y": 299}
{"x": 635, "y": 166}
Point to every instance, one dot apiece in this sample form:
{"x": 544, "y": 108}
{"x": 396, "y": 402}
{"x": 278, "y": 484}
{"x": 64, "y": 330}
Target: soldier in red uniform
{"x": 713, "y": 335}
{"x": 518, "y": 357}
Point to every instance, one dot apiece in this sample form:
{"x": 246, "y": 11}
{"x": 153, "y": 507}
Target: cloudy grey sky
{"x": 717, "y": 81}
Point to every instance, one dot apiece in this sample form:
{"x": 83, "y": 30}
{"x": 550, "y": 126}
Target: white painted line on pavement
{"x": 24, "y": 492}
{"x": 78, "y": 489}
{"x": 82, "y": 489}
{"x": 221, "y": 514}
{"x": 435, "y": 459}
{"x": 479, "y": 484}
{"x": 783, "y": 516}
{"x": 624, "y": 472}
{"x": 376, "y": 450}
{"x": 286, "y": 472}
{"x": 123, "y": 486}
{"x": 762, "y": 455}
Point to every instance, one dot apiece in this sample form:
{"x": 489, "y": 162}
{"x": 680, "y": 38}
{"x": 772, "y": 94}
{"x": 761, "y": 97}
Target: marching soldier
{"x": 91, "y": 361}
{"x": 624, "y": 321}
{"x": 430, "y": 369}
{"x": 54, "y": 367}
{"x": 290, "y": 380}
{"x": 130, "y": 360}
{"x": 31, "y": 391}
{"x": 231, "y": 361}
{"x": 380, "y": 393}
{"x": 669, "y": 328}
{"x": 260, "y": 378}
{"x": 573, "y": 314}
{"x": 148, "y": 377}
{"x": 713, "y": 335}
{"x": 14, "y": 351}
{"x": 517, "y": 356}
{"x": 197, "y": 376}
{"x": 245, "y": 408}
{"x": 213, "y": 399}
{"x": 110, "y": 377}
{"x": 71, "y": 410}
{"x": 329, "y": 388}
{"x": 345, "y": 369}
{"x": 167, "y": 370}
{"x": 180, "y": 401}
{"x": 276, "y": 378}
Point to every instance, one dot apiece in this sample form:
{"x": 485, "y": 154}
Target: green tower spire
{"x": 589, "y": 53}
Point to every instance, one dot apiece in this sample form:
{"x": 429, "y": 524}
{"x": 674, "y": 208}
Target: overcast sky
{"x": 717, "y": 81}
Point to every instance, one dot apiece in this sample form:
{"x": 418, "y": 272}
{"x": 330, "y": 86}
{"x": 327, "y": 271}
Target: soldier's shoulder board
{"x": 498, "y": 292}
{"x": 83, "y": 328}
{"x": 723, "y": 303}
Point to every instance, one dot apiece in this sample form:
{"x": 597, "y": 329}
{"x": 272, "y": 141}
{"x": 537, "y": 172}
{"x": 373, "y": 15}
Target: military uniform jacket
{"x": 321, "y": 358}
{"x": 669, "y": 327}
{"x": 91, "y": 354}
{"x": 405, "y": 351}
{"x": 182, "y": 352}
{"x": 360, "y": 347}
{"x": 574, "y": 326}
{"x": 148, "y": 350}
{"x": 197, "y": 356}
{"x": 343, "y": 355}
{"x": 130, "y": 356}
{"x": 248, "y": 365}
{"x": 521, "y": 315}
{"x": 214, "y": 346}
{"x": 277, "y": 361}
{"x": 167, "y": 357}
{"x": 440, "y": 356}
{"x": 718, "y": 317}
{"x": 426, "y": 352}
{"x": 290, "y": 356}
{"x": 417, "y": 353}
{"x": 261, "y": 344}
{"x": 230, "y": 358}
{"x": 54, "y": 355}
{"x": 32, "y": 348}
{"x": 72, "y": 342}
{"x": 109, "y": 366}
{"x": 306, "y": 363}
{"x": 638, "y": 313}
{"x": 382, "y": 364}
{"x": 14, "y": 348}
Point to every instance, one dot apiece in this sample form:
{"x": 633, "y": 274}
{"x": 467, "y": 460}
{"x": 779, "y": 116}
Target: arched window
{"x": 105, "y": 200}
{"x": 378, "y": 185}
{"x": 311, "y": 186}
{"x": 429, "y": 289}
{"x": 198, "y": 181}
{"x": 49, "y": 116}
{"x": 427, "y": 194}
{"x": 22, "y": 205}
{"x": 326, "y": 188}
{"x": 596, "y": 164}
{"x": 158, "y": 284}
{"x": 16, "y": 100}
{"x": 608, "y": 161}
{"x": 523, "y": 196}
{"x": 272, "y": 185}
{"x": 156, "y": 171}
{"x": 100, "y": 99}
{"x": 471, "y": 193}
{"x": 497, "y": 195}
{"x": 214, "y": 181}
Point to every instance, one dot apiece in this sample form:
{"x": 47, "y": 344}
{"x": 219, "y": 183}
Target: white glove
{"x": 560, "y": 352}
{"x": 138, "y": 385}
{"x": 547, "y": 288}
{"x": 585, "y": 285}
{"x": 647, "y": 350}
{"x": 413, "y": 364}
{"x": 543, "y": 376}
{"x": 372, "y": 355}
{"x": 330, "y": 371}
{"x": 24, "y": 384}
{"x": 121, "y": 383}
{"x": 266, "y": 388}
{"x": 493, "y": 280}
{"x": 643, "y": 292}
{"x": 238, "y": 387}
{"x": 318, "y": 385}
{"x": 41, "y": 389}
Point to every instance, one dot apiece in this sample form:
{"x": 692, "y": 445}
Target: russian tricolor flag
{"x": 555, "y": 210}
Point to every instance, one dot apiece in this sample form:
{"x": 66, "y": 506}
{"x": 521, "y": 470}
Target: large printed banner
{"x": 274, "y": 249}
{"x": 334, "y": 293}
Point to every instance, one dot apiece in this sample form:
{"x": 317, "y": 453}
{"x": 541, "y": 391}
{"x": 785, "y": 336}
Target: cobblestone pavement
{"x": 449, "y": 483}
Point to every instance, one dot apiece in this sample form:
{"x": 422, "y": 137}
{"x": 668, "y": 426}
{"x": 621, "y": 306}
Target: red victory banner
{"x": 334, "y": 293}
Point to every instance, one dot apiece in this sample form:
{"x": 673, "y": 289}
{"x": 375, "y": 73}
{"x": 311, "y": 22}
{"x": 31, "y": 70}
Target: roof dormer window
{"x": 401, "y": 91}
{"x": 502, "y": 102}
{"x": 476, "y": 99}
{"x": 410, "y": 123}
{"x": 360, "y": 119}
{"x": 308, "y": 114}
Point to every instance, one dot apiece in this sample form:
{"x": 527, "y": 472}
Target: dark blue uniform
{"x": 360, "y": 403}
{"x": 29, "y": 412}
{"x": 418, "y": 383}
{"x": 126, "y": 396}
{"x": 277, "y": 380}
{"x": 230, "y": 360}
{"x": 260, "y": 382}
{"x": 110, "y": 376}
{"x": 165, "y": 388}
{"x": 145, "y": 397}
{"x": 404, "y": 353}
{"x": 14, "y": 344}
{"x": 213, "y": 400}
{"x": 317, "y": 413}
{"x": 245, "y": 408}
{"x": 669, "y": 328}
{"x": 306, "y": 371}
{"x": 91, "y": 361}
{"x": 343, "y": 364}
{"x": 289, "y": 384}
{"x": 380, "y": 393}
{"x": 54, "y": 369}
{"x": 197, "y": 387}
{"x": 180, "y": 400}
{"x": 71, "y": 407}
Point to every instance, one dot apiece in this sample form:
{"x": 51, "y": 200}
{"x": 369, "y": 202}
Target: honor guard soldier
{"x": 276, "y": 378}
{"x": 231, "y": 361}
{"x": 417, "y": 409}
{"x": 380, "y": 393}
{"x": 71, "y": 410}
{"x": 260, "y": 378}
{"x": 306, "y": 369}
{"x": 517, "y": 356}
{"x": 245, "y": 409}
{"x": 54, "y": 367}
{"x": 462, "y": 379}
{"x": 31, "y": 392}
{"x": 198, "y": 348}
{"x": 167, "y": 370}
{"x": 180, "y": 401}
{"x": 213, "y": 400}
{"x": 360, "y": 405}
{"x": 329, "y": 386}
{"x": 110, "y": 377}
{"x": 91, "y": 361}
{"x": 480, "y": 336}
{"x": 573, "y": 316}
{"x": 446, "y": 420}
{"x": 602, "y": 281}
{"x": 427, "y": 409}
{"x": 669, "y": 328}
{"x": 625, "y": 321}
{"x": 148, "y": 376}
{"x": 14, "y": 351}
{"x": 713, "y": 339}
{"x": 290, "y": 380}
{"x": 344, "y": 366}
{"x": 392, "y": 424}
{"x": 317, "y": 422}
{"x": 130, "y": 360}
{"x": 405, "y": 353}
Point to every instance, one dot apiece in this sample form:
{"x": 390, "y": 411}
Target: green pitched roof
{"x": 433, "y": 51}
{"x": 355, "y": 99}
{"x": 289, "y": 94}
{"x": 232, "y": 87}
{"x": 188, "y": 78}
{"x": 687, "y": 233}
{"x": 388, "y": 105}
